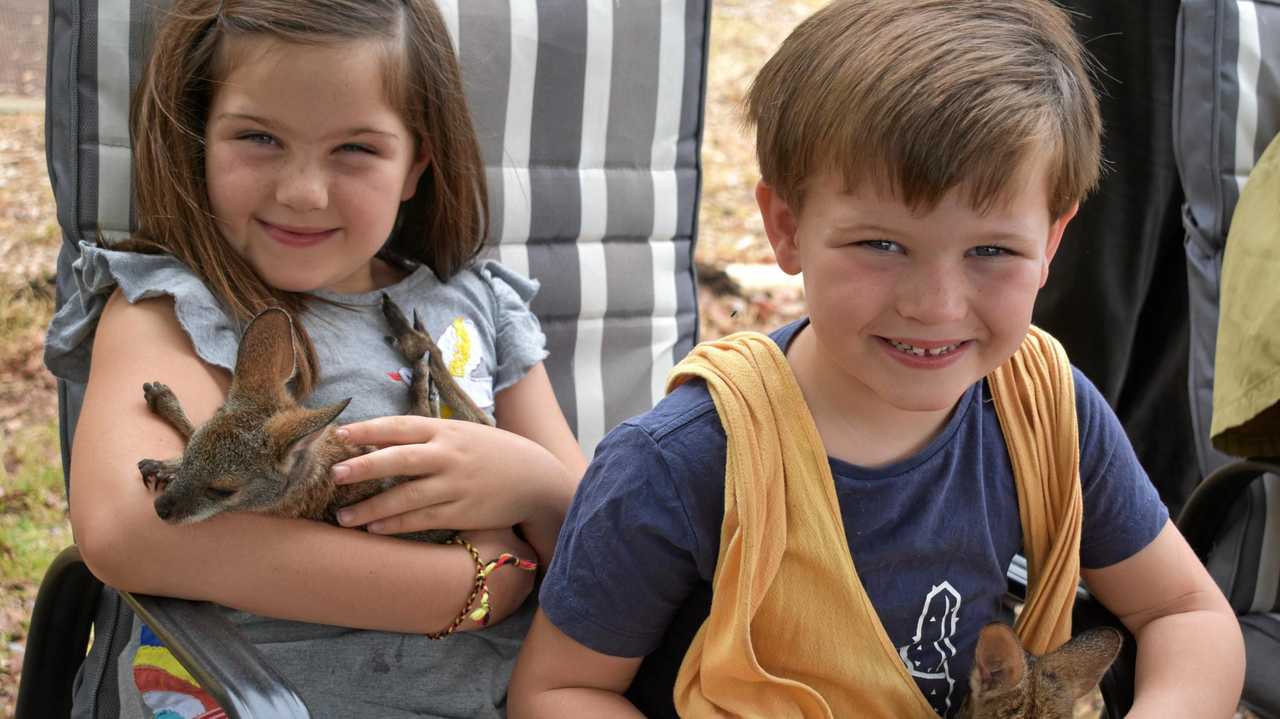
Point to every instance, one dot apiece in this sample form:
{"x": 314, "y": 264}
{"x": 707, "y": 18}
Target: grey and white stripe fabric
{"x": 1226, "y": 112}
{"x": 590, "y": 118}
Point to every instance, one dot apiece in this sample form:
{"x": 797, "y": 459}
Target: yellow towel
{"x": 1246, "y": 381}
{"x": 791, "y": 631}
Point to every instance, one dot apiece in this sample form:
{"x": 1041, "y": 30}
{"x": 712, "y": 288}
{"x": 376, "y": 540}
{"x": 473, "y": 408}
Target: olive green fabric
{"x": 1246, "y": 389}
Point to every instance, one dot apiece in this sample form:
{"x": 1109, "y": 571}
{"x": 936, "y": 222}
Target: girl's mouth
{"x": 296, "y": 236}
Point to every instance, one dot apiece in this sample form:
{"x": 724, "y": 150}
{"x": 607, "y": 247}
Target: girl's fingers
{"x": 396, "y": 429}
{"x": 420, "y": 497}
{"x": 400, "y": 460}
{"x": 416, "y": 520}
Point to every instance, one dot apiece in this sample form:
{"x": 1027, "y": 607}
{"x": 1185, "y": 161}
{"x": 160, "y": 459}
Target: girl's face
{"x": 307, "y": 163}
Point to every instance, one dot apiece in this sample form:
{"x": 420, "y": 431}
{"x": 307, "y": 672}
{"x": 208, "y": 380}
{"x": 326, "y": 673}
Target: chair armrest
{"x": 224, "y": 663}
{"x": 1202, "y": 516}
{"x": 58, "y": 637}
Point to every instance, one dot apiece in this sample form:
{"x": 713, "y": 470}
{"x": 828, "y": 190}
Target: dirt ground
{"x": 22, "y": 47}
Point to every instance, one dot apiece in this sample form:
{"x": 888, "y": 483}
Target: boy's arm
{"x": 1190, "y": 650}
{"x": 556, "y": 677}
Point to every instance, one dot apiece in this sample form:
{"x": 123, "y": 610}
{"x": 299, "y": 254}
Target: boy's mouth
{"x": 925, "y": 349}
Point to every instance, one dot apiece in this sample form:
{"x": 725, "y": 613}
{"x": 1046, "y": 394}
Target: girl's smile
{"x": 296, "y": 236}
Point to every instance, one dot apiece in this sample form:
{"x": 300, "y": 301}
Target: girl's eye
{"x": 881, "y": 245}
{"x": 990, "y": 251}
{"x": 257, "y": 138}
{"x": 352, "y": 147}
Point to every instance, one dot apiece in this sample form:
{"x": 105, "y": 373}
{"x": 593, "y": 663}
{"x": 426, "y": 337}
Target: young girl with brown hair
{"x": 314, "y": 156}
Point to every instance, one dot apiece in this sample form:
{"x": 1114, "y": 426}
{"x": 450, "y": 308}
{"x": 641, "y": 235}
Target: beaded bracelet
{"x": 480, "y": 587}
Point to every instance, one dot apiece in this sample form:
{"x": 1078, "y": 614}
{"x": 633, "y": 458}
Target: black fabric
{"x": 1117, "y": 293}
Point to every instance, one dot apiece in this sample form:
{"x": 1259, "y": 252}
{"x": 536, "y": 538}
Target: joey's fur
{"x": 262, "y": 451}
{"x": 1009, "y": 682}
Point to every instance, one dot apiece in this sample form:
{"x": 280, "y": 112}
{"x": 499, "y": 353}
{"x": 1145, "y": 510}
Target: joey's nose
{"x": 164, "y": 507}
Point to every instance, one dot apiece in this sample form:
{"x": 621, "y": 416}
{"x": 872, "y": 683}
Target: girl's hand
{"x": 466, "y": 476}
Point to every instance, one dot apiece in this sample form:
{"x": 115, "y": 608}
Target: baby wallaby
{"x": 262, "y": 451}
{"x": 1007, "y": 681}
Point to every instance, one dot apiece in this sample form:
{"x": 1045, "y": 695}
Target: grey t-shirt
{"x": 481, "y": 320}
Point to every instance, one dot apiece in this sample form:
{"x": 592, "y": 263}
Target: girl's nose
{"x": 303, "y": 187}
{"x": 934, "y": 295}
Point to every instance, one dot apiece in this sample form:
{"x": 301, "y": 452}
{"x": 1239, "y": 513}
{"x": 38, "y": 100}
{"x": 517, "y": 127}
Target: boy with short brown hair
{"x": 920, "y": 160}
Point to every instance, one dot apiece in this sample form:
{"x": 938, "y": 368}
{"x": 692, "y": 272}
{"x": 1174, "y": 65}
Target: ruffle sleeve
{"x": 98, "y": 271}
{"x": 520, "y": 343}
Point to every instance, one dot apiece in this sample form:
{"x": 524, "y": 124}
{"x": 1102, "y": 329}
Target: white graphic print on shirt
{"x": 463, "y": 355}
{"x": 928, "y": 657}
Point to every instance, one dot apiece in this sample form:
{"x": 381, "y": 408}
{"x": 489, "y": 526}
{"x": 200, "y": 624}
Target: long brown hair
{"x": 923, "y": 96}
{"x": 444, "y": 225}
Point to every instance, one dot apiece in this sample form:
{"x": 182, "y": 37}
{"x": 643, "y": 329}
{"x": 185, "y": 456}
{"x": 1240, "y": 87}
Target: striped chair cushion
{"x": 589, "y": 114}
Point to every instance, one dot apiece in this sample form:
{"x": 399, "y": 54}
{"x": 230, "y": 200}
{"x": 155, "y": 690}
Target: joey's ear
{"x": 1083, "y": 660}
{"x": 265, "y": 362}
{"x": 287, "y": 428}
{"x": 999, "y": 662}
{"x": 780, "y": 224}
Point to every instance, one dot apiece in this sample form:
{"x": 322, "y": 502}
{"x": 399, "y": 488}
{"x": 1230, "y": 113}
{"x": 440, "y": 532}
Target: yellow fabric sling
{"x": 791, "y": 631}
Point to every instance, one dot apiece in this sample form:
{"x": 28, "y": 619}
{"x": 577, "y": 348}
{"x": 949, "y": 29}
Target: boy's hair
{"x": 922, "y": 96}
{"x": 444, "y": 225}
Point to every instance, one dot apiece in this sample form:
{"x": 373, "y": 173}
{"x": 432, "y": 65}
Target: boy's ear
{"x": 421, "y": 161}
{"x": 780, "y": 224}
{"x": 1055, "y": 238}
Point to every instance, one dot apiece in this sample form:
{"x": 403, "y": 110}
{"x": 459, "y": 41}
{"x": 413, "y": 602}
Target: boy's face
{"x": 911, "y": 308}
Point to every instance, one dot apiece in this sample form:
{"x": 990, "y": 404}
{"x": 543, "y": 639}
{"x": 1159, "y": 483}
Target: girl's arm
{"x": 1190, "y": 650}
{"x": 293, "y": 569}
{"x": 470, "y": 476}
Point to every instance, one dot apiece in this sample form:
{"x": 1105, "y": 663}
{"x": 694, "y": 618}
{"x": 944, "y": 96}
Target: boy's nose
{"x": 302, "y": 187}
{"x": 934, "y": 295}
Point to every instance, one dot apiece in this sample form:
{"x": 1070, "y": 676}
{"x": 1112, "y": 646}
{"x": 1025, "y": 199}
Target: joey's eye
{"x": 217, "y": 493}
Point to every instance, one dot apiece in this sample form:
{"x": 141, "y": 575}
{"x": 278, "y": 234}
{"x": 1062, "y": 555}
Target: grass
{"x": 33, "y": 522}
{"x": 33, "y": 526}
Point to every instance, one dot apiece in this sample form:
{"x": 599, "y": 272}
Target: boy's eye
{"x": 881, "y": 245}
{"x": 990, "y": 251}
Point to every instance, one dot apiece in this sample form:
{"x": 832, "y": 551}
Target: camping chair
{"x": 590, "y": 120}
{"x": 1226, "y": 114}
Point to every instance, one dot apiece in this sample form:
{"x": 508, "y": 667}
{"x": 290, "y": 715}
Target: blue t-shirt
{"x": 931, "y": 536}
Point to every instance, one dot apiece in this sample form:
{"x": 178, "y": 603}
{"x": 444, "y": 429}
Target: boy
{"x": 920, "y": 160}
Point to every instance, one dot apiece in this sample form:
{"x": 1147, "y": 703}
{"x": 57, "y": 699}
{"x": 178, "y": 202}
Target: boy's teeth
{"x": 920, "y": 351}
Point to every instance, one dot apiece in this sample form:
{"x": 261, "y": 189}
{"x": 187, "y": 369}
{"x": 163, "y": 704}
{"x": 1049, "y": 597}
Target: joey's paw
{"x": 156, "y": 475}
{"x": 155, "y": 393}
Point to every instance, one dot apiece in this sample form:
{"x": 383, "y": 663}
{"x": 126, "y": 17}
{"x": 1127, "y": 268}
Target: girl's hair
{"x": 444, "y": 225}
{"x": 922, "y": 96}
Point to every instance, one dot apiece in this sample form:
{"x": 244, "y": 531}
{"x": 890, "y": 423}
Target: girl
{"x": 278, "y": 146}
